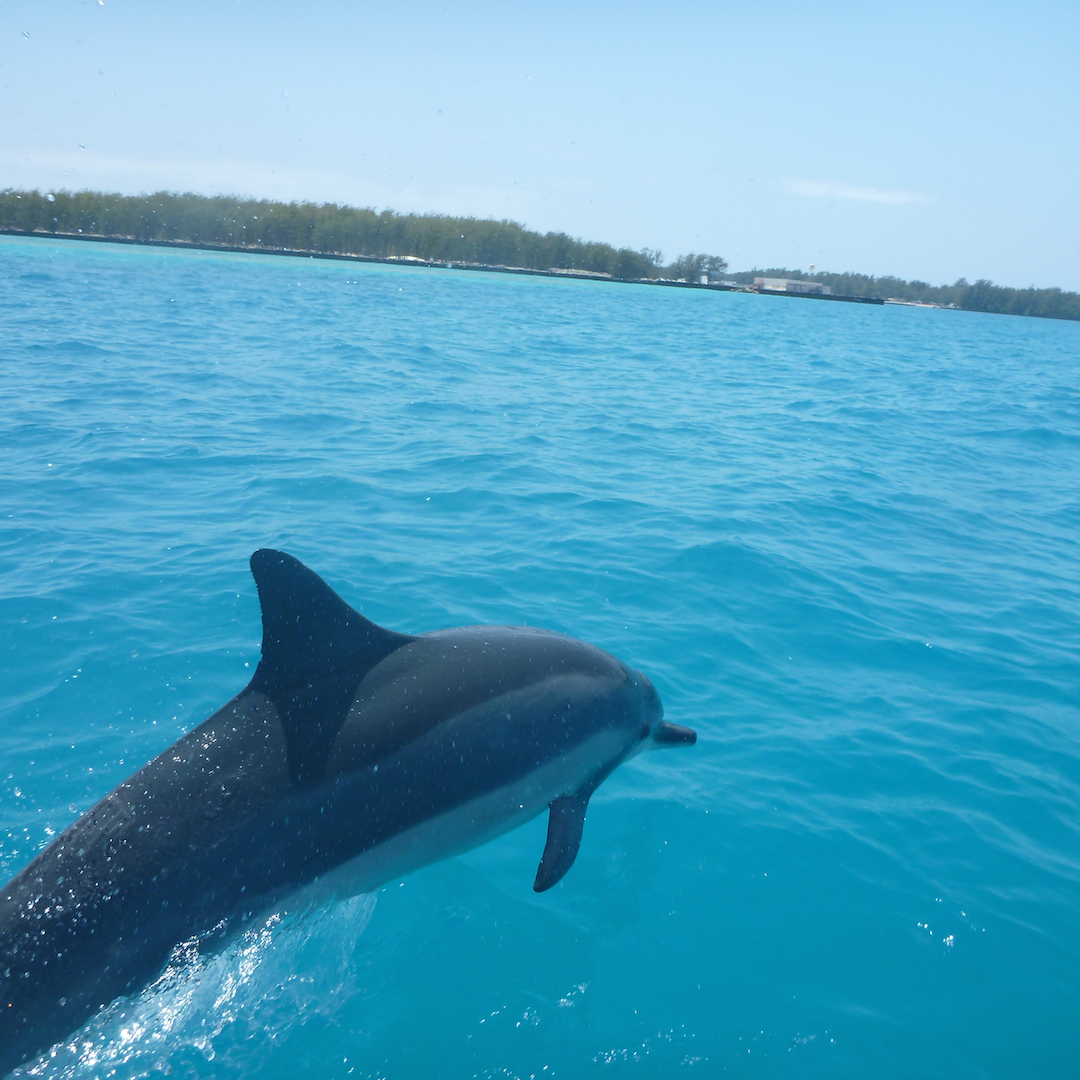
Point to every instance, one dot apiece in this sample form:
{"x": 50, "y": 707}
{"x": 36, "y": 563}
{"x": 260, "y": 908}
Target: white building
{"x": 779, "y": 284}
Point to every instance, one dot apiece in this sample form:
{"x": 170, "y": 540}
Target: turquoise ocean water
{"x": 842, "y": 541}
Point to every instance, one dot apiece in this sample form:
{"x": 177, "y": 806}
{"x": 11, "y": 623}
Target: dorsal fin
{"x": 307, "y": 627}
{"x": 315, "y": 650}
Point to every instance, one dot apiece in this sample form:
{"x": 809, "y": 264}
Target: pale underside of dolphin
{"x": 354, "y": 756}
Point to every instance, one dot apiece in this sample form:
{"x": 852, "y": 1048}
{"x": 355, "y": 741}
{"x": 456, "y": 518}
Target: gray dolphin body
{"x": 354, "y": 756}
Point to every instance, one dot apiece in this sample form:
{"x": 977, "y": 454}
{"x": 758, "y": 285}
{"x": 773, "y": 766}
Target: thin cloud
{"x": 86, "y": 169}
{"x": 826, "y": 189}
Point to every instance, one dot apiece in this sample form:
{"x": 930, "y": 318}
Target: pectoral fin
{"x": 565, "y": 823}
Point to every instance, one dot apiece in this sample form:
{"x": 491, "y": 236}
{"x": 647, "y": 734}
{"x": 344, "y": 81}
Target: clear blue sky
{"x": 925, "y": 140}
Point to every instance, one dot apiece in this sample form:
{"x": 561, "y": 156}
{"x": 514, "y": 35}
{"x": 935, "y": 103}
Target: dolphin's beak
{"x": 665, "y": 734}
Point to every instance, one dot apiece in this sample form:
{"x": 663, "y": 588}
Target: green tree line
{"x": 323, "y": 228}
{"x": 329, "y": 229}
{"x": 695, "y": 267}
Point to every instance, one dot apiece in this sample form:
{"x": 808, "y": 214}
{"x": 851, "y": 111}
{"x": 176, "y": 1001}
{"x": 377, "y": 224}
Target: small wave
{"x": 223, "y": 1008}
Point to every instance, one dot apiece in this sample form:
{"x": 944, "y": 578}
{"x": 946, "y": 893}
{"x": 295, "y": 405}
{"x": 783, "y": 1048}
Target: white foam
{"x": 209, "y": 1009}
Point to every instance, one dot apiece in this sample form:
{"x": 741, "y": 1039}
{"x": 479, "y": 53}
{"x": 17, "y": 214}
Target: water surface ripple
{"x": 843, "y": 542}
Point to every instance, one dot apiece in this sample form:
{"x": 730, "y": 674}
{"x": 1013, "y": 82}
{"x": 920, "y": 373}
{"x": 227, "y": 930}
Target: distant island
{"x": 331, "y": 230}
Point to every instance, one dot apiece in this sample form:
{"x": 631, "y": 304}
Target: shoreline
{"x": 413, "y": 260}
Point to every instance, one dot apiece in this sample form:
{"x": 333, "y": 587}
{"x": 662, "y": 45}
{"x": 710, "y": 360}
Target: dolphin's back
{"x": 352, "y": 746}
{"x": 439, "y": 677}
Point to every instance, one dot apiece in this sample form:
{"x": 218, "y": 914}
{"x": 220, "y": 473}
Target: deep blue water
{"x": 843, "y": 542}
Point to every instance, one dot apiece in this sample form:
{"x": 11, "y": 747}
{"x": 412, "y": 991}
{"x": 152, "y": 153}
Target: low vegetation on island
{"x": 325, "y": 229}
{"x": 977, "y": 296}
{"x": 329, "y": 229}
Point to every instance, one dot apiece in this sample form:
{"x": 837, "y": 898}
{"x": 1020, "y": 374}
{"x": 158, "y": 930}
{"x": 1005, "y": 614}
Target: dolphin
{"x": 354, "y": 756}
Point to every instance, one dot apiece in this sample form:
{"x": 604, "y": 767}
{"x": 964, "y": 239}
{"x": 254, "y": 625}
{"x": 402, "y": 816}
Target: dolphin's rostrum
{"x": 354, "y": 756}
